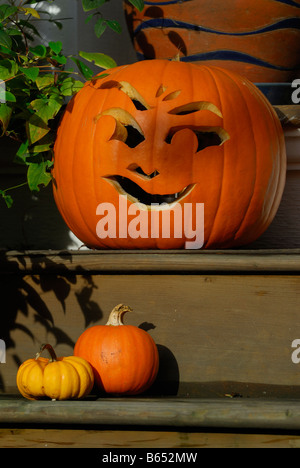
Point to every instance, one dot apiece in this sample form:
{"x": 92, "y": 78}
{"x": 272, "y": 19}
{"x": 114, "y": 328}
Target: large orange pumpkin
{"x": 124, "y": 358}
{"x": 170, "y": 136}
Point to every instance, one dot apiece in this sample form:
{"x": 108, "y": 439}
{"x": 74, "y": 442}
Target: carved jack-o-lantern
{"x": 166, "y": 138}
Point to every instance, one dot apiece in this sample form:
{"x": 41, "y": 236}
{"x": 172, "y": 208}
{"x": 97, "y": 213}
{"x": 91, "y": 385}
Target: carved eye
{"x": 127, "y": 129}
{"x": 206, "y": 136}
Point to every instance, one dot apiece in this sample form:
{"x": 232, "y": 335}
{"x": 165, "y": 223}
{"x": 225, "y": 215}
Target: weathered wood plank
{"x": 132, "y": 439}
{"x": 178, "y": 413}
{"x": 289, "y": 115}
{"x": 34, "y": 262}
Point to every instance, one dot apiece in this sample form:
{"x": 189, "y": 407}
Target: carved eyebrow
{"x": 192, "y": 107}
{"x": 172, "y": 95}
{"x": 137, "y": 99}
{"x": 122, "y": 116}
{"x": 134, "y": 95}
{"x": 162, "y": 89}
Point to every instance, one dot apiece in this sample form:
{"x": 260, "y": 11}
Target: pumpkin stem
{"x": 176, "y": 58}
{"x": 49, "y": 349}
{"x": 116, "y": 316}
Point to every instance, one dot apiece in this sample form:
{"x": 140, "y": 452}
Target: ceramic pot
{"x": 259, "y": 39}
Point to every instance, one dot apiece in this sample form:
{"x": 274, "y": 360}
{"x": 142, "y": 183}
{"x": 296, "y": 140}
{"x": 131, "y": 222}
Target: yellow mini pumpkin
{"x": 58, "y": 378}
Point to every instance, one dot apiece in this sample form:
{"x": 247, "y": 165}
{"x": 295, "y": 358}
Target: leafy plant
{"x": 35, "y": 82}
{"x": 101, "y": 23}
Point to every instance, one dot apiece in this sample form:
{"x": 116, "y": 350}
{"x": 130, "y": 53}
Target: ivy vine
{"x": 35, "y": 82}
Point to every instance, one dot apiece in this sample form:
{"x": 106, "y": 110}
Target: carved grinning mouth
{"x": 136, "y": 194}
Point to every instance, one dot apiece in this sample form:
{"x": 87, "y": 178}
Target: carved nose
{"x": 138, "y": 170}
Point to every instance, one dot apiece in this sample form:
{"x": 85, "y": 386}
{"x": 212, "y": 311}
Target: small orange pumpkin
{"x": 58, "y": 378}
{"x": 124, "y": 358}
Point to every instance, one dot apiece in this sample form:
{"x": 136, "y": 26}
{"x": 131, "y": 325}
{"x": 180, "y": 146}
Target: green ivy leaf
{"x": 7, "y": 198}
{"x": 37, "y": 175}
{"x": 36, "y": 128}
{"x": 6, "y": 11}
{"x": 86, "y": 71}
{"x": 6, "y": 51}
{"x": 58, "y": 24}
{"x": 60, "y": 59}
{"x": 8, "y": 69}
{"x": 43, "y": 145}
{"x": 39, "y": 50}
{"x": 114, "y": 25}
{"x": 5, "y": 40}
{"x": 31, "y": 11}
{"x": 99, "y": 77}
{"x": 7, "y": 96}
{"x": 5, "y": 115}
{"x": 37, "y": 125}
{"x": 45, "y": 80}
{"x": 22, "y": 89}
{"x": 88, "y": 18}
{"x": 70, "y": 86}
{"x": 13, "y": 32}
{"x": 22, "y": 152}
{"x": 101, "y": 60}
{"x": 30, "y": 73}
{"x": 139, "y": 4}
{"x": 47, "y": 108}
{"x": 77, "y": 85}
{"x": 100, "y": 27}
{"x": 89, "y": 5}
{"x": 56, "y": 46}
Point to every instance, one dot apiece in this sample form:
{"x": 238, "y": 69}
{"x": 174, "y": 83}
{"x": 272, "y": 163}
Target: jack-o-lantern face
{"x": 145, "y": 179}
{"x": 161, "y": 136}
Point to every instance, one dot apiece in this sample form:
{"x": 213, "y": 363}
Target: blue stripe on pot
{"x": 226, "y": 55}
{"x": 170, "y": 2}
{"x": 234, "y": 56}
{"x": 289, "y": 23}
{"x": 288, "y": 2}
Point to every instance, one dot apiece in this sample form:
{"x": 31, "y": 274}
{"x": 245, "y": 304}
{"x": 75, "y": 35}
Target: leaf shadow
{"x": 29, "y": 298}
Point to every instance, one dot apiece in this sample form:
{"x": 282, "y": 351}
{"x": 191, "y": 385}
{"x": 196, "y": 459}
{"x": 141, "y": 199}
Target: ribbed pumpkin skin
{"x": 124, "y": 358}
{"x": 64, "y": 379}
{"x": 240, "y": 181}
